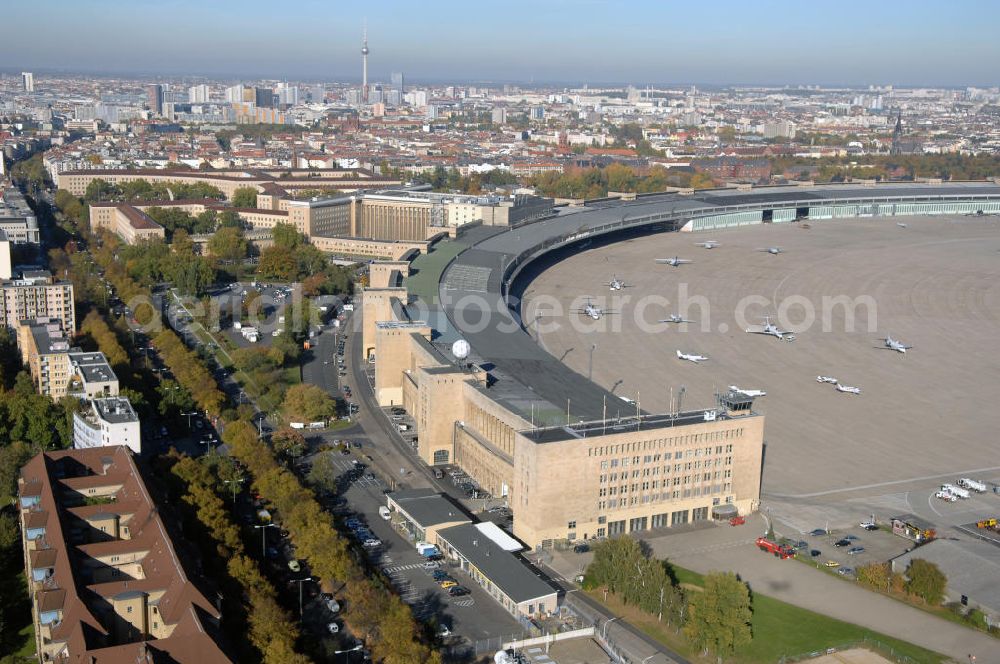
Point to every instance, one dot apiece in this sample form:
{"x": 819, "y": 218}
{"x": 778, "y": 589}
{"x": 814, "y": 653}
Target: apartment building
{"x": 107, "y": 421}
{"x": 57, "y": 368}
{"x": 34, "y": 294}
{"x": 17, "y": 219}
{"x": 107, "y": 584}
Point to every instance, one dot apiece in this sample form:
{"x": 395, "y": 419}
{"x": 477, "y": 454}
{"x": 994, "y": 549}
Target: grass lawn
{"x": 427, "y": 268}
{"x": 779, "y": 629}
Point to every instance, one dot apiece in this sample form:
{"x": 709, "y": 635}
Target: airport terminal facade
{"x": 555, "y": 446}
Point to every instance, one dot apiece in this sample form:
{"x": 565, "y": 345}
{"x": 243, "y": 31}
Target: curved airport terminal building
{"x": 573, "y": 460}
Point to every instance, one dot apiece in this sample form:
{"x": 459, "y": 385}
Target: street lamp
{"x": 604, "y": 633}
{"x": 236, "y": 483}
{"x": 590, "y": 369}
{"x": 263, "y": 537}
{"x": 193, "y": 412}
{"x": 300, "y": 582}
{"x": 348, "y": 651}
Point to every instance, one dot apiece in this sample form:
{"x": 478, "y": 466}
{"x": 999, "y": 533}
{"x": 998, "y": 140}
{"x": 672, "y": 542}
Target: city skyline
{"x": 556, "y": 42}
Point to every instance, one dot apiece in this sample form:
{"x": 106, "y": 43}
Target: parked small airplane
{"x": 901, "y": 224}
{"x": 616, "y": 283}
{"x": 771, "y": 329}
{"x": 691, "y": 358}
{"x": 674, "y": 262}
{"x": 708, "y": 244}
{"x": 895, "y": 344}
{"x": 749, "y": 393}
{"x": 676, "y": 318}
{"x": 774, "y": 251}
{"x": 592, "y": 310}
{"x": 849, "y": 390}
{"x": 826, "y": 379}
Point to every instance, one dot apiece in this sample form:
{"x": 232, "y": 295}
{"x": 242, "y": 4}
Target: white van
{"x": 384, "y": 513}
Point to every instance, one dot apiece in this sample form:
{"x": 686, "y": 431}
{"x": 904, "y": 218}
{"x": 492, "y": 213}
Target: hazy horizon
{"x": 557, "y": 42}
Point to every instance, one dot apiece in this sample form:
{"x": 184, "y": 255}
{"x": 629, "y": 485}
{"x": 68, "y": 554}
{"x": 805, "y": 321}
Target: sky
{"x": 641, "y": 42}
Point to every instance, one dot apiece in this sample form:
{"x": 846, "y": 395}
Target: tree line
{"x": 715, "y": 619}
{"x": 374, "y": 614}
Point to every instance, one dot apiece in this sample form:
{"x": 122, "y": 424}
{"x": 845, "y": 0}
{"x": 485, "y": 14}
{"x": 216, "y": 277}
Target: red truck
{"x": 737, "y": 521}
{"x": 782, "y": 551}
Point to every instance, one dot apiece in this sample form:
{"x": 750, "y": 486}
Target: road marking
{"x": 400, "y": 568}
{"x": 464, "y": 603}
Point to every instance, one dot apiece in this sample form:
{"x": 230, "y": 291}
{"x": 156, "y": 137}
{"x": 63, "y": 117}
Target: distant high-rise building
{"x": 198, "y": 94}
{"x": 375, "y": 95}
{"x": 537, "y": 112}
{"x": 28, "y": 81}
{"x": 364, "y": 66}
{"x": 397, "y": 82}
{"x": 263, "y": 97}
{"x": 499, "y": 116}
{"x": 287, "y": 94}
{"x": 897, "y": 135}
{"x": 154, "y": 98}
{"x": 234, "y": 94}
{"x": 779, "y": 129}
{"x": 393, "y": 98}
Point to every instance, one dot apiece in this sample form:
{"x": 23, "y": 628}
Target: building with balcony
{"x": 59, "y": 369}
{"x": 34, "y": 294}
{"x": 106, "y": 582}
{"x": 108, "y": 421}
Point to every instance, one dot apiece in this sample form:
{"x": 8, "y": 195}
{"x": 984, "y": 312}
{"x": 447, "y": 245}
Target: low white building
{"x": 109, "y": 421}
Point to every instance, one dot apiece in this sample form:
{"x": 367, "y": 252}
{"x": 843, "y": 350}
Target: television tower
{"x": 364, "y": 65}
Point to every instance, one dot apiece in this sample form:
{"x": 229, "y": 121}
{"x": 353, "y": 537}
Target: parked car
{"x": 855, "y": 550}
{"x": 815, "y": 553}
{"x": 431, "y": 565}
{"x": 448, "y": 583}
{"x": 844, "y": 571}
{"x": 332, "y": 605}
{"x": 333, "y": 628}
{"x": 443, "y": 631}
{"x": 851, "y": 538}
{"x": 458, "y": 591}
{"x": 842, "y": 542}
{"x": 372, "y": 542}
{"x": 832, "y": 563}
{"x": 440, "y": 575}
{"x": 294, "y": 565}
{"x": 581, "y": 548}
{"x": 819, "y": 532}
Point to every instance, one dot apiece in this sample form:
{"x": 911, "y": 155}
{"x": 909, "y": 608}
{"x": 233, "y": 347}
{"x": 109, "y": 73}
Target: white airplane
{"x": 826, "y": 379}
{"x": 616, "y": 283}
{"x": 901, "y": 224}
{"x": 774, "y": 251}
{"x": 591, "y": 310}
{"x": 849, "y": 390}
{"x": 674, "y": 262}
{"x": 895, "y": 344}
{"x": 749, "y": 393}
{"x": 691, "y": 358}
{"x": 676, "y": 318}
{"x": 708, "y": 244}
{"x": 771, "y": 329}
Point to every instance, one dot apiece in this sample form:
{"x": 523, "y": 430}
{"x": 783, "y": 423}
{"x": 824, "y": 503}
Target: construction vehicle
{"x": 737, "y": 521}
{"x": 975, "y": 485}
{"x": 782, "y": 551}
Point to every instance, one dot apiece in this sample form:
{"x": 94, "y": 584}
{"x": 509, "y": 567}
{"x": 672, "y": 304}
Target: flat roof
{"x": 427, "y": 507}
{"x": 504, "y": 570}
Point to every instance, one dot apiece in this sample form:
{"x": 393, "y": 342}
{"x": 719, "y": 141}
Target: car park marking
{"x": 465, "y": 602}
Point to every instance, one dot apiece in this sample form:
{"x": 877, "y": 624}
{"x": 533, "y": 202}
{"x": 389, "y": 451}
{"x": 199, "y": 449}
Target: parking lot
{"x": 468, "y": 617}
{"x": 839, "y": 549}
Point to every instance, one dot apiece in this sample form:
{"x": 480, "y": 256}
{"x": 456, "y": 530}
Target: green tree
{"x": 245, "y": 197}
{"x": 307, "y": 403}
{"x": 286, "y": 236}
{"x": 324, "y": 473}
{"x": 925, "y": 580}
{"x": 228, "y": 244}
{"x": 719, "y": 616}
